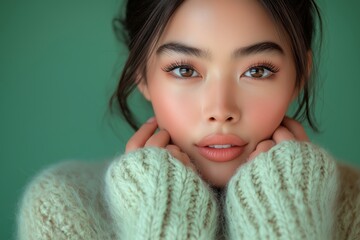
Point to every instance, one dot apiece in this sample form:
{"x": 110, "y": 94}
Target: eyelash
{"x": 270, "y": 70}
{"x": 178, "y": 64}
{"x": 184, "y": 64}
{"x": 267, "y": 65}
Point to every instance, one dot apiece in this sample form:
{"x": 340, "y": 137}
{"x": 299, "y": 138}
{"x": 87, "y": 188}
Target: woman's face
{"x": 220, "y": 80}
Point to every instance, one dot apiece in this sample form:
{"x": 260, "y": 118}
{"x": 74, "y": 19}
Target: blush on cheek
{"x": 267, "y": 119}
{"x": 169, "y": 114}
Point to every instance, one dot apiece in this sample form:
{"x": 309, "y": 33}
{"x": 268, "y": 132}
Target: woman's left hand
{"x": 147, "y": 136}
{"x": 289, "y": 129}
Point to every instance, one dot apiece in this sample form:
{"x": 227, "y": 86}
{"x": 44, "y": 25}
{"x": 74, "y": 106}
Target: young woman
{"x": 220, "y": 159}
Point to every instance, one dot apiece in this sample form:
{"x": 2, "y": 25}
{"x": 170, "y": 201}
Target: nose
{"x": 221, "y": 103}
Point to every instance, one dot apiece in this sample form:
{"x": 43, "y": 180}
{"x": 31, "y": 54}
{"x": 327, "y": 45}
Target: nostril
{"x": 229, "y": 119}
{"x": 212, "y": 119}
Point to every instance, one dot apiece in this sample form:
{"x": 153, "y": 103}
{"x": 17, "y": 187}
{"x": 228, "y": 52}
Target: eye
{"x": 181, "y": 70}
{"x": 259, "y": 72}
{"x": 185, "y": 72}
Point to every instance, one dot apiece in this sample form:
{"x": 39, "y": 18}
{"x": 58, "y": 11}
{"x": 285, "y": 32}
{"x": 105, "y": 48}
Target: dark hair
{"x": 145, "y": 20}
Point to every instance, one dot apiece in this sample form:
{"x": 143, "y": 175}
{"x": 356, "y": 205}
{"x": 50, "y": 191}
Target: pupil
{"x": 257, "y": 72}
{"x": 186, "y": 72}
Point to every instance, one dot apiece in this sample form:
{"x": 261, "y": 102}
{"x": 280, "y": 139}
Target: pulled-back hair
{"x": 145, "y": 20}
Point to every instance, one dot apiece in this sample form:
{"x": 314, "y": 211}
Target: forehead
{"x": 232, "y": 23}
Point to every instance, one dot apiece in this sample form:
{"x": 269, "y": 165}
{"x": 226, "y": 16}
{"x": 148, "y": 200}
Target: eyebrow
{"x": 182, "y": 48}
{"x": 258, "y": 48}
{"x": 240, "y": 52}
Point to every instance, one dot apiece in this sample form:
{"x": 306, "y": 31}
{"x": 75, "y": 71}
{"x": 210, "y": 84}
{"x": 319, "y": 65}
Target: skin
{"x": 218, "y": 89}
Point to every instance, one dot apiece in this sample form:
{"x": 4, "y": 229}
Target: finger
{"x": 141, "y": 136}
{"x": 282, "y": 134}
{"x": 159, "y": 139}
{"x": 263, "y": 146}
{"x": 172, "y": 147}
{"x": 181, "y": 156}
{"x": 174, "y": 151}
{"x": 295, "y": 128}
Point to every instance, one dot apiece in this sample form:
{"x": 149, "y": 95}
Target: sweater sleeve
{"x": 348, "y": 207}
{"x": 288, "y": 192}
{"x": 151, "y": 195}
{"x": 65, "y": 202}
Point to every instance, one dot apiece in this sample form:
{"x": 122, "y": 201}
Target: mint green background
{"x": 59, "y": 63}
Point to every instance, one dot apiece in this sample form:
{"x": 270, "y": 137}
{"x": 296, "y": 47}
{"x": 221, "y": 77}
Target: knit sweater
{"x": 293, "y": 191}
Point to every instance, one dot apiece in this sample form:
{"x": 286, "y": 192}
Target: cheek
{"x": 174, "y": 112}
{"x": 266, "y": 115}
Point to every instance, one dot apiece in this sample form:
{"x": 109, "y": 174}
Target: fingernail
{"x": 150, "y": 120}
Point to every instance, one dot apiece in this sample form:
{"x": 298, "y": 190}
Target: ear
{"x": 305, "y": 78}
{"x": 143, "y": 88}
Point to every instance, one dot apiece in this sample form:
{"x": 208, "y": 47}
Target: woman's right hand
{"x": 147, "y": 136}
{"x": 289, "y": 129}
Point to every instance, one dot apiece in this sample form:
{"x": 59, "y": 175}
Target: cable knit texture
{"x": 290, "y": 192}
{"x": 154, "y": 196}
{"x": 146, "y": 194}
{"x": 294, "y": 191}
{"x": 65, "y": 202}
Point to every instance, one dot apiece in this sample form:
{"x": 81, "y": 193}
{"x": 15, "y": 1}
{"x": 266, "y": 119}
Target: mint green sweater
{"x": 294, "y": 191}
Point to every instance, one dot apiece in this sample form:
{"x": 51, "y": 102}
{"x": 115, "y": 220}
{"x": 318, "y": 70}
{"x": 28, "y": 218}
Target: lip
{"x": 221, "y": 154}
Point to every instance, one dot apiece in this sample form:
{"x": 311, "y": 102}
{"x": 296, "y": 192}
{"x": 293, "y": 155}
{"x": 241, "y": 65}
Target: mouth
{"x": 221, "y": 148}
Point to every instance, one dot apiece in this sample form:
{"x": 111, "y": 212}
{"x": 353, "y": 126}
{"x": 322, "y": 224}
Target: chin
{"x": 218, "y": 175}
{"x": 218, "y": 180}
